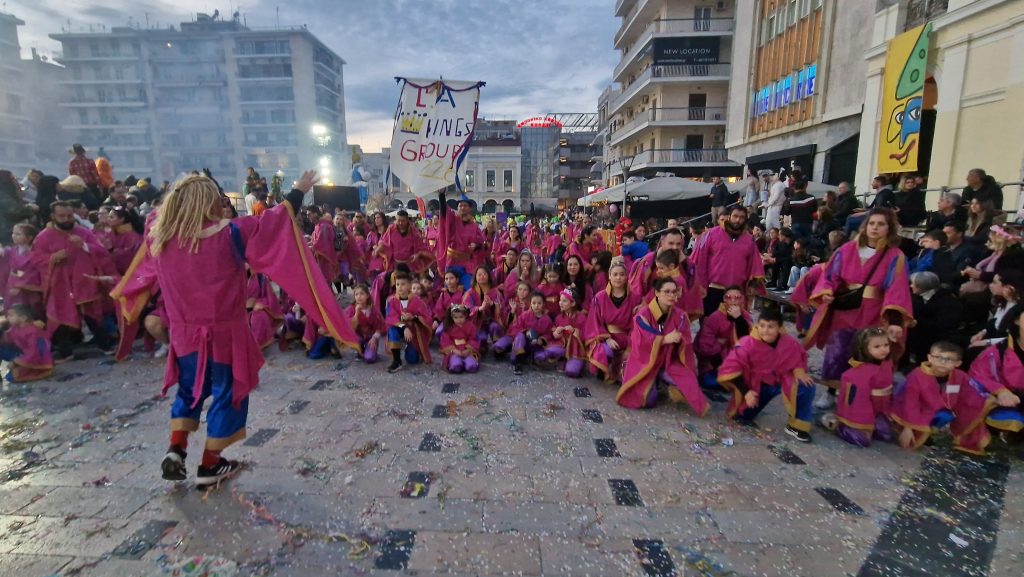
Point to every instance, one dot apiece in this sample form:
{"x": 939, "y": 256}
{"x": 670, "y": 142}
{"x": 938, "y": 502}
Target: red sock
{"x": 179, "y": 439}
{"x": 210, "y": 458}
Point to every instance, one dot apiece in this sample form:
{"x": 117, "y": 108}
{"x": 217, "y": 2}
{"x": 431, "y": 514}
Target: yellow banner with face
{"x": 902, "y": 101}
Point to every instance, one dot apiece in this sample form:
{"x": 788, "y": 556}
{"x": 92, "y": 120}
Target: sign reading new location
{"x": 687, "y": 50}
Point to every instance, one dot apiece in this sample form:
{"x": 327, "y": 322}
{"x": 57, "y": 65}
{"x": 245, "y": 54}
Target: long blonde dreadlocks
{"x": 192, "y": 202}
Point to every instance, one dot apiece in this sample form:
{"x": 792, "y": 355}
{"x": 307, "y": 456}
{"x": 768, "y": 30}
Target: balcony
{"x": 672, "y": 73}
{"x": 654, "y": 117}
{"x": 668, "y": 29}
{"x": 86, "y": 102}
{"x": 78, "y": 81}
{"x": 921, "y": 11}
{"x": 197, "y": 80}
{"x": 674, "y": 157}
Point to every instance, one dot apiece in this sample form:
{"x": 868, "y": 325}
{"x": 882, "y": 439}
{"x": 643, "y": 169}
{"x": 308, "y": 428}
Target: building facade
{"x": 973, "y": 89}
{"x": 210, "y": 93}
{"x": 670, "y": 111}
{"x": 797, "y": 85}
{"x": 17, "y": 146}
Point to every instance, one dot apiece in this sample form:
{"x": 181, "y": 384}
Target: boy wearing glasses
{"x": 938, "y": 394}
{"x": 661, "y": 348}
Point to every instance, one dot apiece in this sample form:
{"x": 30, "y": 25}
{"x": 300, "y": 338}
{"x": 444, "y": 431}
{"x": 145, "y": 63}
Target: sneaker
{"x": 213, "y": 475}
{"x": 828, "y": 421}
{"x": 173, "y": 465}
{"x": 161, "y": 352}
{"x": 798, "y": 435}
{"x": 517, "y": 369}
{"x": 59, "y": 360}
{"x": 395, "y": 367}
{"x": 825, "y": 401}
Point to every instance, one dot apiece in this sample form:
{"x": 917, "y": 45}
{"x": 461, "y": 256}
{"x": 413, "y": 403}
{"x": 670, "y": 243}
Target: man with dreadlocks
{"x": 198, "y": 259}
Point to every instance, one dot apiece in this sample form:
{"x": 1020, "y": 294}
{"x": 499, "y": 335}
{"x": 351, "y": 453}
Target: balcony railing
{"x": 627, "y": 21}
{"x": 670, "y": 71}
{"x": 682, "y": 116}
{"x": 681, "y": 25}
{"x": 680, "y": 156}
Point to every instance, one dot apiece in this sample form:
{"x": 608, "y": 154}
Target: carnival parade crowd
{"x": 918, "y": 336}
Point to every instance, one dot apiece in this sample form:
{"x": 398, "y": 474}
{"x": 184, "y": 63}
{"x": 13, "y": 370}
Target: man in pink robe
{"x": 322, "y": 243}
{"x": 460, "y": 241}
{"x": 725, "y": 256}
{"x": 642, "y": 273}
{"x": 70, "y": 257}
{"x": 402, "y": 243}
{"x": 660, "y": 348}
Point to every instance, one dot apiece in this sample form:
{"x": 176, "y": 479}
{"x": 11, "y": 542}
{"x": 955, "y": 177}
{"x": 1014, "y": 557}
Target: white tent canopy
{"x": 660, "y": 188}
{"x": 413, "y": 213}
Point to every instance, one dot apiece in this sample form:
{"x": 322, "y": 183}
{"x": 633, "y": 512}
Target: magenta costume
{"x": 69, "y": 295}
{"x": 27, "y": 348}
{"x": 1001, "y": 368}
{"x": 529, "y": 335}
{"x": 265, "y": 314}
{"x": 650, "y": 359}
{"x": 768, "y": 370}
{"x": 212, "y": 350}
{"x": 124, "y": 243}
{"x": 923, "y": 404}
{"x": 323, "y": 249}
{"x": 551, "y": 293}
{"x": 570, "y": 346}
{"x": 717, "y": 336}
{"x": 721, "y": 260}
{"x": 461, "y": 348}
{"x": 486, "y": 321}
{"x": 420, "y": 327}
{"x": 643, "y": 273}
{"x": 886, "y": 298}
{"x": 369, "y": 326}
{"x": 407, "y": 248}
{"x": 609, "y": 320}
{"x": 20, "y": 282}
{"x": 863, "y": 404}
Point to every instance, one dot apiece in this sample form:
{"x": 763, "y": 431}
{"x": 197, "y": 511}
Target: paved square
{"x": 351, "y": 471}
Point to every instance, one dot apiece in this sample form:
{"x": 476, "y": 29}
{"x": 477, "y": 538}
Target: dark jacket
{"x": 937, "y": 320}
{"x": 989, "y": 191}
{"x": 845, "y": 205}
{"x": 884, "y": 198}
{"x": 719, "y": 194}
{"x": 937, "y": 221}
{"x": 911, "y": 206}
{"x": 802, "y": 207}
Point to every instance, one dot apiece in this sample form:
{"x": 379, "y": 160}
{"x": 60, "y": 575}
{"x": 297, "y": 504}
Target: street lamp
{"x": 625, "y": 162}
{"x": 320, "y": 134}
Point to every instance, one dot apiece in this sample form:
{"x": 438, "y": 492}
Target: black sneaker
{"x": 173, "y": 465}
{"x": 211, "y": 476}
{"x": 395, "y": 367}
{"x": 517, "y": 369}
{"x": 798, "y": 435}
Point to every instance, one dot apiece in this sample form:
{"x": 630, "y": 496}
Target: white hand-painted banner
{"x": 433, "y": 132}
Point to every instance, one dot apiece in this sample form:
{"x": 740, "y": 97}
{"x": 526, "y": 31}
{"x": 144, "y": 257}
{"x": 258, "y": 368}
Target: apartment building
{"x": 209, "y": 93}
{"x": 669, "y": 109}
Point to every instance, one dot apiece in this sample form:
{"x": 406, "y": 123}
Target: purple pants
{"x": 503, "y": 345}
{"x": 521, "y": 343}
{"x": 370, "y": 347}
{"x": 837, "y": 354}
{"x": 489, "y": 333}
{"x": 883, "y": 432}
{"x": 457, "y": 364}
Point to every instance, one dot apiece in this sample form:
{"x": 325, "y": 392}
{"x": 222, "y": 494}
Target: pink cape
{"x": 124, "y": 243}
{"x": 408, "y": 249}
{"x": 461, "y": 341}
{"x": 68, "y": 293}
{"x": 454, "y": 238}
{"x": 642, "y": 275}
{"x": 721, "y": 261}
{"x": 263, "y": 322}
{"x": 36, "y": 359}
{"x": 551, "y": 292}
{"x": 323, "y": 249}
{"x": 888, "y": 291}
{"x": 916, "y": 402}
{"x": 530, "y": 322}
{"x": 759, "y": 363}
{"x": 204, "y": 293}
{"x": 572, "y": 343}
{"x": 999, "y": 369}
{"x": 420, "y": 326}
{"x": 607, "y": 321}
{"x": 445, "y": 300}
{"x": 865, "y": 392}
{"x": 20, "y": 282}
{"x": 366, "y": 324}
{"x": 717, "y": 336}
{"x": 473, "y": 298}
{"x": 649, "y": 356}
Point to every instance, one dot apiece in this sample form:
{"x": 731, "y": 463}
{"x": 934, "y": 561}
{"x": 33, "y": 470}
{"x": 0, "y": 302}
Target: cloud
{"x": 535, "y": 55}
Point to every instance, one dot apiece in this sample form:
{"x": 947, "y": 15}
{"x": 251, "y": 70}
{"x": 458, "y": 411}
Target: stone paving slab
{"x": 517, "y": 484}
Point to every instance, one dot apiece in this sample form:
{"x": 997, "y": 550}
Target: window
{"x": 805, "y": 8}
{"x": 771, "y": 27}
{"x": 470, "y": 180}
{"x": 491, "y": 178}
{"x": 508, "y": 180}
{"x": 793, "y": 12}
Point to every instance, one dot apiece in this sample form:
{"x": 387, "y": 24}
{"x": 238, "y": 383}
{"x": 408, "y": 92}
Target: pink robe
{"x": 459, "y": 235}
{"x": 366, "y": 323}
{"x": 801, "y": 295}
{"x": 585, "y": 291}
{"x": 473, "y": 298}
{"x": 551, "y": 245}
{"x": 499, "y": 275}
{"x": 20, "y": 282}
{"x": 607, "y": 321}
{"x": 408, "y": 249}
{"x": 551, "y": 294}
{"x": 572, "y": 343}
{"x": 643, "y": 273}
{"x": 461, "y": 341}
{"x": 264, "y": 321}
{"x": 445, "y": 300}
{"x": 420, "y": 326}
{"x": 527, "y": 322}
{"x": 999, "y": 369}
{"x": 376, "y": 263}
{"x": 69, "y": 295}
{"x": 650, "y": 357}
{"x": 584, "y": 250}
{"x": 124, "y": 242}
{"x": 717, "y": 336}
{"x": 36, "y": 359}
{"x": 323, "y": 249}
{"x": 918, "y": 400}
{"x": 759, "y": 363}
{"x": 720, "y": 261}
{"x": 512, "y": 309}
{"x": 888, "y": 291}
{"x": 204, "y": 293}
{"x": 865, "y": 393}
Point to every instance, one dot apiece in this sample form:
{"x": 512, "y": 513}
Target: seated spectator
{"x": 964, "y": 255}
{"x": 801, "y": 208}
{"x": 950, "y": 211}
{"x": 778, "y": 262}
{"x": 803, "y": 260}
{"x": 935, "y": 257}
{"x": 909, "y": 202}
{"x": 982, "y": 187}
{"x": 938, "y": 314}
{"x": 1006, "y": 288}
{"x": 980, "y": 218}
{"x": 845, "y": 205}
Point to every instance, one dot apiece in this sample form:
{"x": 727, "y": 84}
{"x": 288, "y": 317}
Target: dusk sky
{"x": 536, "y": 56}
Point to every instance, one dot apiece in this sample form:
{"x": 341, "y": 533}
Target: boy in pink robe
{"x": 459, "y": 342}
{"x": 938, "y": 394}
{"x": 1000, "y": 370}
{"x": 660, "y": 348}
{"x": 408, "y": 322}
{"x": 606, "y": 332}
{"x": 201, "y": 273}
{"x": 25, "y": 345}
{"x": 763, "y": 365}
